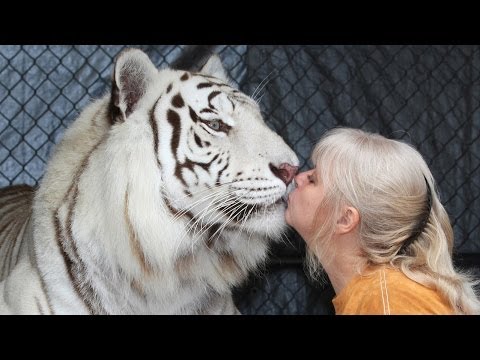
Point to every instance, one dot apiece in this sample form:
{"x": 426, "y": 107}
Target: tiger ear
{"x": 214, "y": 67}
{"x": 132, "y": 76}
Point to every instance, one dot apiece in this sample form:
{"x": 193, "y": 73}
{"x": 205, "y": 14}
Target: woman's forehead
{"x": 318, "y": 173}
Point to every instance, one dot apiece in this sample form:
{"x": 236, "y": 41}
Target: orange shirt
{"x": 385, "y": 291}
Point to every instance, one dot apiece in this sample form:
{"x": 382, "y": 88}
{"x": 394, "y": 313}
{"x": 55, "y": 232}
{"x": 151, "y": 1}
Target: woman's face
{"x": 303, "y": 203}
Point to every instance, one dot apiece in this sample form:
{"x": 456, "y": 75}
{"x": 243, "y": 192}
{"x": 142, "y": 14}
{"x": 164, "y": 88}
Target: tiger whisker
{"x": 284, "y": 238}
{"x": 229, "y": 197}
{"x": 242, "y": 225}
{"x": 228, "y": 201}
{"x": 194, "y": 204}
{"x": 206, "y": 218}
{"x": 253, "y": 208}
{"x": 229, "y": 220}
{"x": 215, "y": 188}
{"x": 218, "y": 216}
{"x": 244, "y": 219}
{"x": 260, "y": 86}
{"x": 224, "y": 198}
{"x": 228, "y": 205}
{"x": 191, "y": 206}
{"x": 197, "y": 218}
{"x": 260, "y": 98}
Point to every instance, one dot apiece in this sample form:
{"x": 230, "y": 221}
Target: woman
{"x": 371, "y": 217}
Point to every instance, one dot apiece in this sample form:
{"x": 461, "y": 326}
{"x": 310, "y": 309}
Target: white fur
{"x": 119, "y": 160}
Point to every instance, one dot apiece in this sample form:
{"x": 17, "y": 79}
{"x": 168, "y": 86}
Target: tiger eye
{"x": 215, "y": 125}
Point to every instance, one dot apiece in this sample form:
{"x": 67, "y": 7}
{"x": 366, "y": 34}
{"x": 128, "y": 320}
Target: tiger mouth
{"x": 251, "y": 210}
{"x": 280, "y": 201}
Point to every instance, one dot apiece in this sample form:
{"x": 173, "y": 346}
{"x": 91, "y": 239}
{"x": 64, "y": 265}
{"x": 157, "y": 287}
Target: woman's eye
{"x": 214, "y": 125}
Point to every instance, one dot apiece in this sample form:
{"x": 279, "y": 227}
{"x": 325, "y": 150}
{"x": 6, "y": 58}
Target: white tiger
{"x": 159, "y": 199}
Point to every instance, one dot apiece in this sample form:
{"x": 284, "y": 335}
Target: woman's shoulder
{"x": 362, "y": 295}
{"x": 406, "y": 296}
{"x": 385, "y": 290}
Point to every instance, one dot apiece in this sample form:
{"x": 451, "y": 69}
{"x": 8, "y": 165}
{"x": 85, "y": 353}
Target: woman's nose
{"x": 299, "y": 179}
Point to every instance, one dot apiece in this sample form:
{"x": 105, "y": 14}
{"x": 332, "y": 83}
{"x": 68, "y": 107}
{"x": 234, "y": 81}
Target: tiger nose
{"x": 284, "y": 172}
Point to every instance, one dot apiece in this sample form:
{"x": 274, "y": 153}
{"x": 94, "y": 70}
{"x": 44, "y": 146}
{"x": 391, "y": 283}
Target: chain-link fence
{"x": 427, "y": 95}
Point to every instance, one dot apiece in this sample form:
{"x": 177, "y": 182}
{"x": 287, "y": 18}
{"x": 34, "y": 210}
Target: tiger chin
{"x": 161, "y": 197}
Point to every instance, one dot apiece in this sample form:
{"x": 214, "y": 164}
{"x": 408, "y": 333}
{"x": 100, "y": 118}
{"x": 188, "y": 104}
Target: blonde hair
{"x": 402, "y": 222}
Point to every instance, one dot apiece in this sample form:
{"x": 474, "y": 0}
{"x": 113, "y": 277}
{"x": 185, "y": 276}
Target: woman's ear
{"x": 348, "y": 220}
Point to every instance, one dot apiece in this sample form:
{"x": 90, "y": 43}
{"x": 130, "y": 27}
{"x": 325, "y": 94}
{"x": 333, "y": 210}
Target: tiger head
{"x": 220, "y": 166}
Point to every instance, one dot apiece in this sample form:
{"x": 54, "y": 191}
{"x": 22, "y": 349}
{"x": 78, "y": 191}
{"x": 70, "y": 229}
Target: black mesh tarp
{"x": 426, "y": 95}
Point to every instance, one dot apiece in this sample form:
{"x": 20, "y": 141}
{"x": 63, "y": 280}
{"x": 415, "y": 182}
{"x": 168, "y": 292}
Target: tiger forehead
{"x": 203, "y": 81}
{"x": 211, "y": 87}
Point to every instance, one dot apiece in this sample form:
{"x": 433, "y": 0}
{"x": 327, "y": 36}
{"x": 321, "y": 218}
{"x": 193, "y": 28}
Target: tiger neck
{"x": 194, "y": 280}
